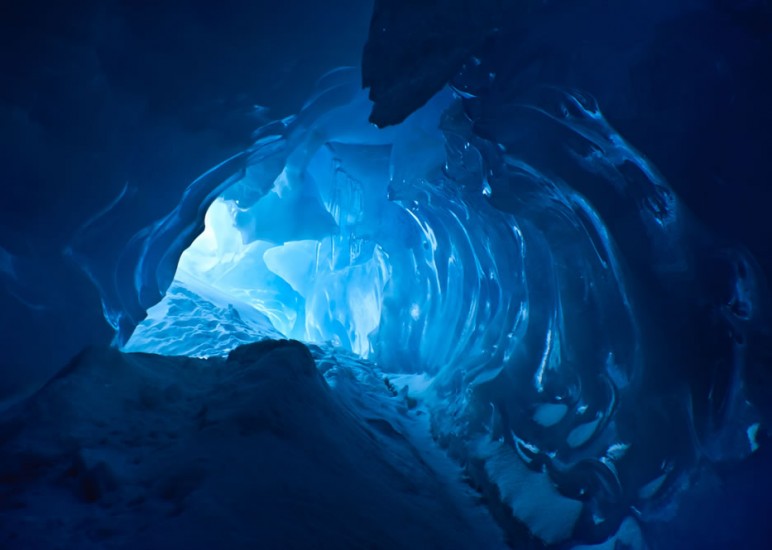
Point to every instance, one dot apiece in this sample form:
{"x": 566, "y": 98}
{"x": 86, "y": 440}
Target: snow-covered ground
{"x": 266, "y": 448}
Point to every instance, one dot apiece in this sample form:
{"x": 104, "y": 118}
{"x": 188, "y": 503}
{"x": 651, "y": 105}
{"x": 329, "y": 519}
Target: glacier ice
{"x": 524, "y": 258}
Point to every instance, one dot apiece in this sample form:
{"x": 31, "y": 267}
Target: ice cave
{"x": 477, "y": 275}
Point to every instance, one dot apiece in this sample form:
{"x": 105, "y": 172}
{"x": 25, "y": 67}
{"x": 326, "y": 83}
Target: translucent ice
{"x": 523, "y": 257}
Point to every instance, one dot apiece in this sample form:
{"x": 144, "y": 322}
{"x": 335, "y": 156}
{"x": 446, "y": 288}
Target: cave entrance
{"x": 306, "y": 260}
{"x": 311, "y": 282}
{"x": 382, "y": 243}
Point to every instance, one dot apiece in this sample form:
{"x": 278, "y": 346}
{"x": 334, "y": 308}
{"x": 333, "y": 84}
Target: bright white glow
{"x": 415, "y": 312}
{"x": 298, "y": 284}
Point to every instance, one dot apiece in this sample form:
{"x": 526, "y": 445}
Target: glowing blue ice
{"x": 487, "y": 265}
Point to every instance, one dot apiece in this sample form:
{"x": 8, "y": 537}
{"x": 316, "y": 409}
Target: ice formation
{"x": 508, "y": 254}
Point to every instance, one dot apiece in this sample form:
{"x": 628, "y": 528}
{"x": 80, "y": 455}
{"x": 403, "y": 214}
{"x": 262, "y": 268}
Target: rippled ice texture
{"x": 496, "y": 254}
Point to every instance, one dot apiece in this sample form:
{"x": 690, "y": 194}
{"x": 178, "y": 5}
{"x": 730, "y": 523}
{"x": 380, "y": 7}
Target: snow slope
{"x": 259, "y": 450}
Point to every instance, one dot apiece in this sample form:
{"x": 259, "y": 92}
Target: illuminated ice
{"x": 487, "y": 277}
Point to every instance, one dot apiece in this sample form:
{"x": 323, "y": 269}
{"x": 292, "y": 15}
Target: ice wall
{"x": 365, "y": 239}
{"x": 522, "y": 255}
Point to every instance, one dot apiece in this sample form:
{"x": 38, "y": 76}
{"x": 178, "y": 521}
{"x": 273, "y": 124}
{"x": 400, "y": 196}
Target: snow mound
{"x": 253, "y": 450}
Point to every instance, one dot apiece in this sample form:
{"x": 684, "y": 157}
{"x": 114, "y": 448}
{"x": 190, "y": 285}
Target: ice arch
{"x": 364, "y": 239}
{"x": 490, "y": 246}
